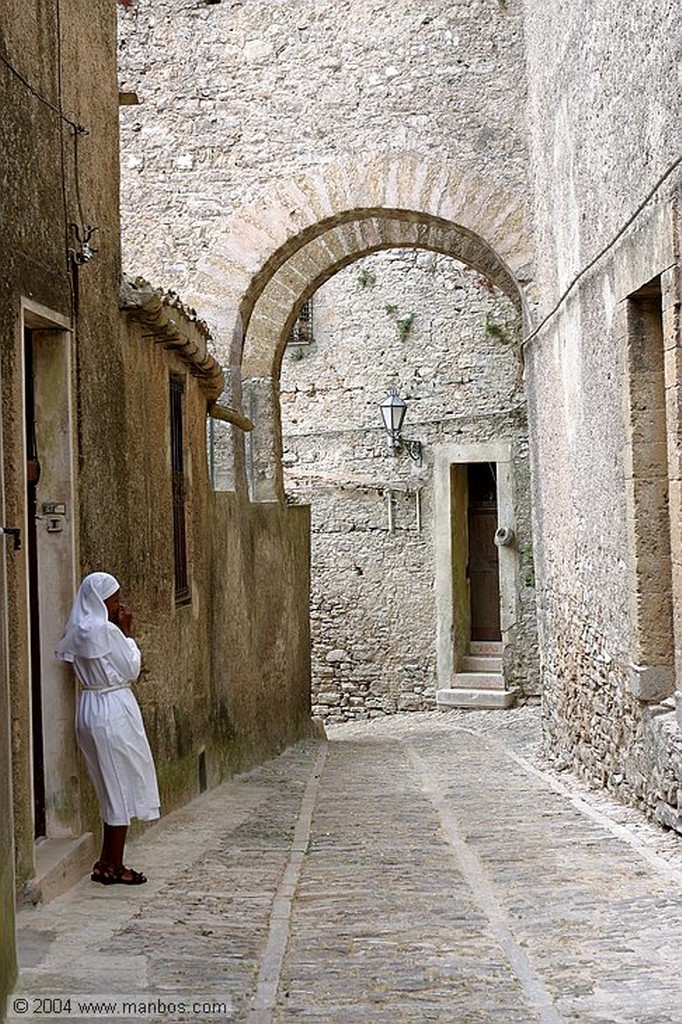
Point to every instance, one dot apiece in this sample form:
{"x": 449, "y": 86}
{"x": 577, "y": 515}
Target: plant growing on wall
{"x": 403, "y": 324}
{"x": 496, "y": 330}
{"x": 507, "y": 333}
{"x": 366, "y": 278}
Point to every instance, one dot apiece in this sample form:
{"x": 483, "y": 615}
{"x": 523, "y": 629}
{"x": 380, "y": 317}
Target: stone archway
{"x": 260, "y": 238}
{"x": 274, "y": 257}
{"x": 275, "y": 309}
{"x": 272, "y": 313}
{"x": 275, "y": 254}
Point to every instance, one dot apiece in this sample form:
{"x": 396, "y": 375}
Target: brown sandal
{"x": 127, "y": 876}
{"x": 105, "y": 874}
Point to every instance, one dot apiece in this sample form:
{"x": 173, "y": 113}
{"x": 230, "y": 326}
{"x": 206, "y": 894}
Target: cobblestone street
{"x": 420, "y": 868}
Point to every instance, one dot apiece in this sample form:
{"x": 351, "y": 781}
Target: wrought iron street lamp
{"x": 393, "y": 409}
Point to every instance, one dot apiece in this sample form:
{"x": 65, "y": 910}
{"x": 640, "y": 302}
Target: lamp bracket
{"x": 414, "y": 449}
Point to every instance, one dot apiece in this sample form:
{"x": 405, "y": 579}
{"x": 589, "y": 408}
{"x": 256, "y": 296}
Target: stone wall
{"x": 51, "y": 178}
{"x": 237, "y": 96}
{"x": 260, "y": 637}
{"x": 7, "y": 936}
{"x": 590, "y": 74}
{"x": 447, "y": 340}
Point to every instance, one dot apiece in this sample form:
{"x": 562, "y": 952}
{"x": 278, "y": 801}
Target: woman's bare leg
{"x": 110, "y": 869}
{"x": 113, "y": 843}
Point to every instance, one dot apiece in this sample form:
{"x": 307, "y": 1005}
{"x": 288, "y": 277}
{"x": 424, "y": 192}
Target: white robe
{"x": 111, "y": 733}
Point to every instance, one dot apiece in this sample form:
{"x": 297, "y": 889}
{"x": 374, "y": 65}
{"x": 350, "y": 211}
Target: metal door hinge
{"x": 14, "y": 532}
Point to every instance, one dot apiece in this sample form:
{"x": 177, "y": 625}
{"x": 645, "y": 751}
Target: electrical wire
{"x": 34, "y": 92}
{"x": 73, "y": 298}
{"x": 602, "y": 252}
{"x": 76, "y": 129}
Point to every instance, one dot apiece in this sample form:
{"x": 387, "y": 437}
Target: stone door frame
{"x": 56, "y": 558}
{"x": 445, "y": 456}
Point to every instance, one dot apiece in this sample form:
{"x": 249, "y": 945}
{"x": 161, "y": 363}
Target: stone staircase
{"x": 479, "y": 683}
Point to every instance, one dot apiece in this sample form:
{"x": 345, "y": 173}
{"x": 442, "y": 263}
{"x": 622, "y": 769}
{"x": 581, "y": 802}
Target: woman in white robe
{"x": 98, "y": 642}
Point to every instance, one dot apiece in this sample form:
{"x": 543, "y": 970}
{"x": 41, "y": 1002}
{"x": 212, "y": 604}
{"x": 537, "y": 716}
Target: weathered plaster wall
{"x": 260, "y": 637}
{"x": 7, "y": 937}
{"x": 604, "y": 101}
{"x": 226, "y": 673}
{"x": 39, "y": 201}
{"x": 603, "y": 107}
{"x": 455, "y": 362}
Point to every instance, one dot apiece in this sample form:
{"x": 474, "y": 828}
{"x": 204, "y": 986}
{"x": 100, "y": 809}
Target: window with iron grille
{"x": 302, "y": 331}
{"x": 182, "y": 591}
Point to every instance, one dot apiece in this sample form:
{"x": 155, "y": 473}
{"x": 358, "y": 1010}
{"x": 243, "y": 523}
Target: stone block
{"x": 651, "y": 683}
{"x": 337, "y": 656}
{"x": 669, "y": 816}
{"x": 487, "y": 699}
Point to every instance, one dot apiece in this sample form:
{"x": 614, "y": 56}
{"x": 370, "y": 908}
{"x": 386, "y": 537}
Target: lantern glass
{"x": 393, "y": 410}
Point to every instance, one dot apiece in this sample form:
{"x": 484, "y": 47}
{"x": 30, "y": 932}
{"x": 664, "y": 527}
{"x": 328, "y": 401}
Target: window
{"x": 182, "y": 591}
{"x": 653, "y": 655}
{"x": 302, "y": 331}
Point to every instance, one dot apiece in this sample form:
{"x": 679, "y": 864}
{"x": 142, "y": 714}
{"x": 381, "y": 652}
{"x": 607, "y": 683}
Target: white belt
{"x": 107, "y": 689}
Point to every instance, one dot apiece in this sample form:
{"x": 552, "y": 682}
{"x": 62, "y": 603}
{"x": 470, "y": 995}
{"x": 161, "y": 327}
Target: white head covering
{"x": 85, "y": 635}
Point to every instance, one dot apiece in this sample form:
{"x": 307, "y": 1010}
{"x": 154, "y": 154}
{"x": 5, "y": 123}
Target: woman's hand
{"x": 125, "y": 618}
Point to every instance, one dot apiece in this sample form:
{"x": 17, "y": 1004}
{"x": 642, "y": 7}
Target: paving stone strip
{"x": 600, "y": 920}
{"x": 479, "y": 880}
{"x": 275, "y": 948}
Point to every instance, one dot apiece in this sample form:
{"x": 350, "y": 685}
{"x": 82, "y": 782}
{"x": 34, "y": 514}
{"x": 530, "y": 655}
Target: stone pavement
{"x": 427, "y": 867}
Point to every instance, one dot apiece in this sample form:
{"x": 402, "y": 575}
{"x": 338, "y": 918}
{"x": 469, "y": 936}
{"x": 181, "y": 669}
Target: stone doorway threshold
{"x": 59, "y": 864}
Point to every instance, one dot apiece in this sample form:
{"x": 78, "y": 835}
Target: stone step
{"x": 493, "y": 647}
{"x": 59, "y": 864}
{"x": 485, "y": 699}
{"x": 481, "y": 663}
{"x": 477, "y": 681}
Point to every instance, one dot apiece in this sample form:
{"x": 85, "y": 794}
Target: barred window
{"x": 182, "y": 591}
{"x": 302, "y": 331}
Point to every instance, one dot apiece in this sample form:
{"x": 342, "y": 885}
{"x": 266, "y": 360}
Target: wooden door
{"x": 484, "y": 573}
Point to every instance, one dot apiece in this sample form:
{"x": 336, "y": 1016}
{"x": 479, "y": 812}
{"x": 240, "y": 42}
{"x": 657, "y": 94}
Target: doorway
{"x": 484, "y": 569}
{"x": 652, "y": 671}
{"x": 36, "y": 688}
{"x": 50, "y": 568}
{"x": 476, "y": 582}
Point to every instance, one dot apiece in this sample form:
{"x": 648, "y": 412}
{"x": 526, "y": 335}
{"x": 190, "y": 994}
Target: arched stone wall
{"x": 315, "y": 262}
{"x": 275, "y": 256}
{"x": 253, "y": 244}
